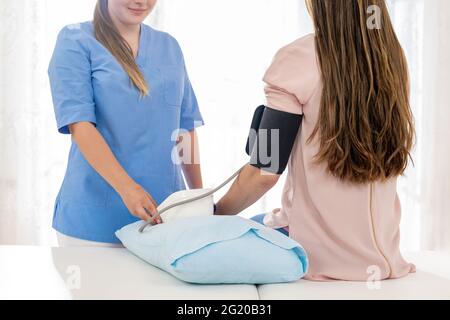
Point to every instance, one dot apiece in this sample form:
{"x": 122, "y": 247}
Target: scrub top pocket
{"x": 174, "y": 77}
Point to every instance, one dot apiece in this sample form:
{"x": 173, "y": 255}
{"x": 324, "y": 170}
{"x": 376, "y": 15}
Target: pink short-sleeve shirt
{"x": 351, "y": 232}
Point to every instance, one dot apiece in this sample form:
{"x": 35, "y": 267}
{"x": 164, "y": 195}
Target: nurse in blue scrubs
{"x": 121, "y": 89}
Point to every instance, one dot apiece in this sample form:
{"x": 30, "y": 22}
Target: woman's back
{"x": 350, "y": 82}
{"x": 350, "y": 230}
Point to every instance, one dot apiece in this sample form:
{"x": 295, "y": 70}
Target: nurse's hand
{"x": 136, "y": 199}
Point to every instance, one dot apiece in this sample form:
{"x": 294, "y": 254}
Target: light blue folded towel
{"x": 218, "y": 249}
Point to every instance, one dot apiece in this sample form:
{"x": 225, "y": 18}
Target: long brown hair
{"x": 365, "y": 125}
{"x": 108, "y": 35}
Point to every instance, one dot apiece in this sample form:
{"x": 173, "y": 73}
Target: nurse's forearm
{"x": 191, "y": 163}
{"x": 98, "y": 154}
{"x": 248, "y": 188}
{"x": 193, "y": 175}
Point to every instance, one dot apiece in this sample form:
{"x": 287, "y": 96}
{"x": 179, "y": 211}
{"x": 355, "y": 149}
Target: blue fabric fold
{"x": 218, "y": 249}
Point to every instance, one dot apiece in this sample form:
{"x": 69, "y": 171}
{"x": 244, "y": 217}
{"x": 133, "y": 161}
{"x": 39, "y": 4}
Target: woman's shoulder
{"x": 298, "y": 51}
{"x": 165, "y": 45}
{"x": 295, "y": 69}
{"x": 76, "y": 35}
{"x": 77, "y": 31}
{"x": 163, "y": 38}
{"x": 305, "y": 41}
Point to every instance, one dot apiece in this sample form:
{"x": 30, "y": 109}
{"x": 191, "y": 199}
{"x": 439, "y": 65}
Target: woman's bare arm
{"x": 251, "y": 184}
{"x": 98, "y": 154}
{"x": 191, "y": 167}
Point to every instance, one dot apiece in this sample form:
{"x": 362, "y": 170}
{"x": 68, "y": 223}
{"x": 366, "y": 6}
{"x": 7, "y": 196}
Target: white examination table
{"x": 110, "y": 273}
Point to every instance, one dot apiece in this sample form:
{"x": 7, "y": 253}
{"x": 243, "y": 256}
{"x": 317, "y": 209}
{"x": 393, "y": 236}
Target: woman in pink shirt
{"x": 349, "y": 82}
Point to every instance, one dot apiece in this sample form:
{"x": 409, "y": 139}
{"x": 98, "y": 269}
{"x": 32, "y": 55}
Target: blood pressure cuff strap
{"x": 271, "y": 138}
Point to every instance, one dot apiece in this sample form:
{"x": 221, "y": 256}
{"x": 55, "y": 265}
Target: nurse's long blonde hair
{"x": 108, "y": 35}
{"x": 365, "y": 126}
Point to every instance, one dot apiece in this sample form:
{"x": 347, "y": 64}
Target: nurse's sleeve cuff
{"x": 76, "y": 116}
{"x": 191, "y": 125}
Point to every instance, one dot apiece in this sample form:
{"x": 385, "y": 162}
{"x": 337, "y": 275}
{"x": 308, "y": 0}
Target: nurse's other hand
{"x": 136, "y": 199}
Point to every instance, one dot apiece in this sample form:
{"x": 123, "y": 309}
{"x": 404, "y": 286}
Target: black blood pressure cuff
{"x": 271, "y": 138}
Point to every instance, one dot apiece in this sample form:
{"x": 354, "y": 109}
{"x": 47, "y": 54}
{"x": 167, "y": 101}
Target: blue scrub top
{"x": 88, "y": 84}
